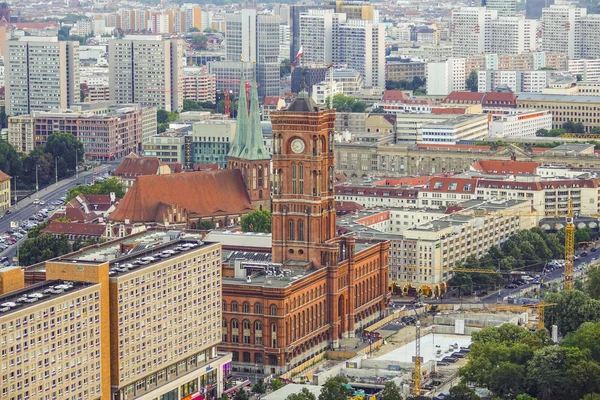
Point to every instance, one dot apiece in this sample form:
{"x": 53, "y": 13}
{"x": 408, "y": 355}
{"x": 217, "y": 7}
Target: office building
{"x": 405, "y": 69}
{"x": 41, "y": 74}
{"x": 295, "y": 12}
{"x": 517, "y": 81}
{"x": 524, "y": 124}
{"x": 589, "y": 37}
{"x": 319, "y": 31}
{"x": 254, "y": 38}
{"x": 469, "y": 30}
{"x": 445, "y": 77}
{"x": 462, "y": 128}
{"x": 572, "y": 108}
{"x": 504, "y": 8}
{"x": 228, "y": 74}
{"x": 133, "y": 82}
{"x": 360, "y": 46}
{"x": 107, "y": 136}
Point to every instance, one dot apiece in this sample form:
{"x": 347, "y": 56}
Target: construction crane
{"x": 417, "y": 360}
{"x": 580, "y": 136}
{"x": 541, "y": 306}
{"x": 569, "y": 248}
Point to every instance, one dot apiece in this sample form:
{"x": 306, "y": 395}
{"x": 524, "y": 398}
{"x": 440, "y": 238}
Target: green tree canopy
{"x": 241, "y": 395}
{"x": 462, "y": 392}
{"x": 571, "y": 309}
{"x": 111, "y": 185}
{"x": 335, "y": 389}
{"x": 592, "y": 281}
{"x": 472, "y": 82}
{"x": 66, "y": 146}
{"x": 304, "y": 394}
{"x": 586, "y": 338}
{"x": 391, "y": 391}
{"x": 343, "y": 103}
{"x": 259, "y": 387}
{"x": 256, "y": 221}
{"x": 42, "y": 248}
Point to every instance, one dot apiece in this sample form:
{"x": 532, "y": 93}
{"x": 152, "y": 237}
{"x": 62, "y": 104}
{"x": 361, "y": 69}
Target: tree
{"x": 162, "y": 116}
{"x": 472, "y": 82}
{"x": 66, "y": 146}
{"x": 42, "y": 248}
{"x": 462, "y": 392}
{"x": 587, "y": 337}
{"x": 276, "y": 384}
{"x": 335, "y": 388}
{"x": 390, "y": 391}
{"x": 193, "y": 29}
{"x": 205, "y": 225}
{"x": 112, "y": 185}
{"x": 241, "y": 395}
{"x": 343, "y": 103}
{"x": 590, "y": 396}
{"x": 592, "y": 282}
{"x": 10, "y": 162}
{"x": 542, "y": 132}
{"x": 256, "y": 221}
{"x": 199, "y": 40}
{"x": 259, "y": 387}
{"x": 304, "y": 394}
{"x": 35, "y": 231}
{"x": 524, "y": 396}
{"x": 571, "y": 309}
{"x": 582, "y": 235}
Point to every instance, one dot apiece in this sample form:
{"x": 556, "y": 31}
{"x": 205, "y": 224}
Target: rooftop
{"x": 36, "y": 294}
{"x": 559, "y": 98}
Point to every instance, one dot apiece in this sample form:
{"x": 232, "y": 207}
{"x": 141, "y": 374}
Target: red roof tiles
{"x": 464, "y": 98}
{"x": 74, "y": 228}
{"x": 497, "y": 167}
{"x": 4, "y": 177}
{"x": 451, "y": 184}
{"x": 203, "y": 194}
{"x": 394, "y": 96}
{"x": 133, "y": 166}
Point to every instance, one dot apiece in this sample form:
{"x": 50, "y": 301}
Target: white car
{"x": 36, "y": 201}
{"x": 42, "y": 202}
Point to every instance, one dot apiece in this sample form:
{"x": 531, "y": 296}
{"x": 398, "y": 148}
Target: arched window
{"x": 258, "y": 308}
{"x": 294, "y": 176}
{"x": 246, "y": 307}
{"x": 224, "y": 323}
{"x": 330, "y": 179}
{"x": 273, "y": 309}
{"x": 254, "y": 177}
{"x": 234, "y": 324}
{"x": 291, "y": 229}
{"x": 260, "y": 176}
{"x": 224, "y": 306}
{"x": 301, "y": 177}
{"x": 273, "y": 335}
{"x": 234, "y": 306}
{"x": 246, "y": 324}
{"x": 300, "y": 230}
{"x": 258, "y": 326}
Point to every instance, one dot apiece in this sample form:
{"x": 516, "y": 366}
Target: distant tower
{"x": 4, "y": 13}
{"x": 248, "y": 152}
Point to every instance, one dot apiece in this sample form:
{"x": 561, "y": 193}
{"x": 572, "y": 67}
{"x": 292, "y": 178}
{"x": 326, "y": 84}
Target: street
{"x": 25, "y": 208}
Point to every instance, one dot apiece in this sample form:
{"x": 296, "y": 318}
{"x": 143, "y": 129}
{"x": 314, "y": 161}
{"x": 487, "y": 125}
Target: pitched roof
{"x": 451, "y": 184}
{"x": 498, "y": 167}
{"x": 138, "y": 166}
{"x": 464, "y": 98}
{"x": 75, "y": 228}
{"x": 393, "y": 95}
{"x": 271, "y": 101}
{"x": 204, "y": 194}
{"x": 4, "y": 177}
{"x": 175, "y": 167}
{"x": 241, "y": 127}
{"x": 303, "y": 103}
{"x": 500, "y": 99}
{"x": 448, "y": 110}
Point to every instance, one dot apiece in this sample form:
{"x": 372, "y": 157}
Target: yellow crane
{"x": 417, "y": 360}
{"x": 569, "y": 248}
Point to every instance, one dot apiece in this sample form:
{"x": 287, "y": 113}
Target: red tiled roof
{"x": 271, "y": 101}
{"x": 464, "y": 98}
{"x": 376, "y": 192}
{"x": 345, "y": 207}
{"x": 506, "y": 167}
{"x": 206, "y": 167}
{"x": 204, "y": 194}
{"x": 133, "y": 166}
{"x": 75, "y": 228}
{"x": 404, "y": 181}
{"x": 451, "y": 184}
{"x": 394, "y": 95}
{"x": 500, "y": 99}
{"x": 175, "y": 167}
{"x": 4, "y": 177}
{"x": 448, "y": 110}
{"x": 496, "y": 184}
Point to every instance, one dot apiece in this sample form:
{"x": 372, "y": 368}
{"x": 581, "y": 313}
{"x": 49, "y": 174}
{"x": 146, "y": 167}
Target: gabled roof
{"x": 393, "y": 96}
{"x": 464, "y": 98}
{"x": 241, "y": 127}
{"x": 272, "y": 101}
{"x": 500, "y": 99}
{"x": 451, "y": 184}
{"x": 4, "y": 177}
{"x": 75, "y": 228}
{"x": 138, "y": 166}
{"x": 497, "y": 167}
{"x": 203, "y": 194}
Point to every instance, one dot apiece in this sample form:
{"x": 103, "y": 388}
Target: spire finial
{"x": 303, "y": 91}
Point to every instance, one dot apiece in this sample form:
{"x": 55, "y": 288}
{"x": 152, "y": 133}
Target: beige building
{"x": 135, "y": 318}
{"x": 565, "y": 108}
{"x": 41, "y": 73}
{"x": 199, "y": 86}
{"x": 133, "y": 82}
{"x": 4, "y": 191}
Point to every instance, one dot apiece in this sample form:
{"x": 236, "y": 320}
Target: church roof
{"x": 203, "y": 194}
{"x": 248, "y": 143}
{"x": 303, "y": 103}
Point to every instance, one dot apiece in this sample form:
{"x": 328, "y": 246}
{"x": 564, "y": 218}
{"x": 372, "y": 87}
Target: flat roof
{"x": 563, "y": 98}
{"x": 38, "y": 293}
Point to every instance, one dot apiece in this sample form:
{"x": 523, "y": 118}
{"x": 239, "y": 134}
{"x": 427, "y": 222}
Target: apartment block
{"x": 133, "y": 82}
{"x": 104, "y": 136}
{"x": 199, "y": 85}
{"x": 445, "y": 77}
{"x": 512, "y": 35}
{"x": 115, "y": 329}
{"x": 560, "y": 24}
{"x": 504, "y": 8}
{"x": 517, "y": 81}
{"x": 454, "y": 130}
{"x": 469, "y": 30}
{"x": 41, "y": 74}
{"x": 319, "y": 30}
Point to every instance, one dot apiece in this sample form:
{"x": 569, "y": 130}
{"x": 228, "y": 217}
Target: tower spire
{"x": 255, "y": 146}
{"x": 241, "y": 128}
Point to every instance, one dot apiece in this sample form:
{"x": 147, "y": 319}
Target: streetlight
{"x": 37, "y": 186}
{"x": 16, "y": 205}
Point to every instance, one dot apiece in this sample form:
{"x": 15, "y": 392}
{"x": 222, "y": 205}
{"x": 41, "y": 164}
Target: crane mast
{"x": 569, "y": 248}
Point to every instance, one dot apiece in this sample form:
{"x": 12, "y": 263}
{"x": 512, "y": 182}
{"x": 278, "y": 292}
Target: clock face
{"x": 297, "y": 146}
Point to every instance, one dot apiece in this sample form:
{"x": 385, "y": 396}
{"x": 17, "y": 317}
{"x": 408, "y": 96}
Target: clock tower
{"x": 303, "y": 216}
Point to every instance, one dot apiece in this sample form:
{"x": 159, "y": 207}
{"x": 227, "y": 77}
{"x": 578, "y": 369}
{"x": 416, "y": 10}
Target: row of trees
{"x": 567, "y": 127}
{"x": 527, "y": 247}
{"x": 343, "y": 103}
{"x": 111, "y": 185}
{"x": 58, "y": 155}
{"x": 417, "y": 85}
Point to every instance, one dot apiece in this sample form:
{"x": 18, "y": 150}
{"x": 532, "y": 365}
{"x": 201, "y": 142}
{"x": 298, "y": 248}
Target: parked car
{"x": 511, "y": 286}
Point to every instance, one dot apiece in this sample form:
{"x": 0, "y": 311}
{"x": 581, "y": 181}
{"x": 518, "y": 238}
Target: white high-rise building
{"x": 444, "y": 77}
{"x": 40, "y": 74}
{"x": 517, "y": 81}
{"x": 560, "y": 24}
{"x": 360, "y": 45}
{"x": 255, "y": 38}
{"x": 319, "y": 29}
{"x": 469, "y": 30}
{"x": 505, "y": 8}
{"x": 512, "y": 35}
{"x": 589, "y": 37}
{"x": 147, "y": 70}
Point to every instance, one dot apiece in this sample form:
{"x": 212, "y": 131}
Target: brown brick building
{"x": 314, "y": 288}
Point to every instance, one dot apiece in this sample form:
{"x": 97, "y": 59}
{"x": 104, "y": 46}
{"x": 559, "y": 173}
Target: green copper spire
{"x": 241, "y": 128}
{"x": 255, "y": 146}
